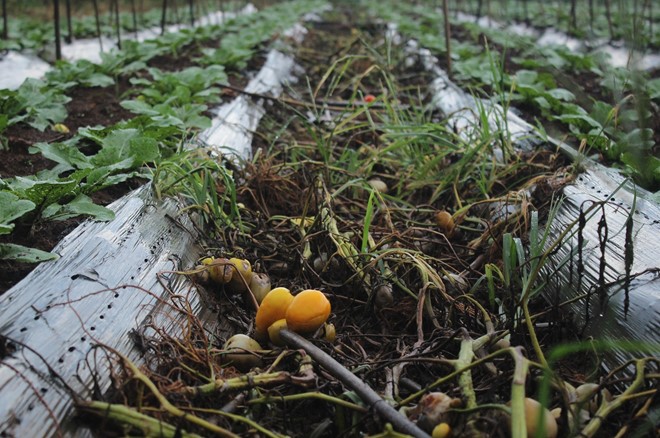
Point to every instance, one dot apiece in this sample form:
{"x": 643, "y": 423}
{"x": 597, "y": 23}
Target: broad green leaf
{"x": 653, "y": 86}
{"x": 81, "y": 205}
{"x": 562, "y": 94}
{"x": 526, "y": 77}
{"x": 19, "y": 253}
{"x": 122, "y": 144}
{"x": 66, "y": 153}
{"x": 43, "y": 192}
{"x": 139, "y": 107}
{"x": 11, "y": 208}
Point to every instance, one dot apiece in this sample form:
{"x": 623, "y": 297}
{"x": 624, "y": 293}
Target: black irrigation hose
{"x": 368, "y": 395}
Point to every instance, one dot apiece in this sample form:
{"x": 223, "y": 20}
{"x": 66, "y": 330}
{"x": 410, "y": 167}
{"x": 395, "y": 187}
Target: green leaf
{"x": 81, "y": 205}
{"x": 123, "y": 144}
{"x": 43, "y": 192}
{"x": 562, "y": 94}
{"x": 19, "y": 253}
{"x": 11, "y": 208}
{"x": 653, "y": 86}
{"x": 526, "y": 77}
{"x": 139, "y": 107}
{"x": 66, "y": 154}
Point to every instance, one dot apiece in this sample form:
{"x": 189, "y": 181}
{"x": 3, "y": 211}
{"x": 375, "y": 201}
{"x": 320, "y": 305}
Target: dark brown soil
{"x": 89, "y": 106}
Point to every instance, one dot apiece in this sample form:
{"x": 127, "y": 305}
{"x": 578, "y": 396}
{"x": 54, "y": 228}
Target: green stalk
{"x": 150, "y": 427}
{"x": 606, "y": 408}
{"x": 170, "y": 408}
{"x": 465, "y": 356}
{"x": 518, "y": 425}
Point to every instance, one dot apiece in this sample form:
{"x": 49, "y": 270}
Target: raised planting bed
{"x": 438, "y": 266}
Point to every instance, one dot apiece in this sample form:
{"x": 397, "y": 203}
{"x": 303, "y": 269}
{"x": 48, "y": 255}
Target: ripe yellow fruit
{"x": 308, "y": 311}
{"x": 272, "y": 308}
{"x": 442, "y": 430}
{"x": 445, "y": 222}
{"x": 274, "y": 332}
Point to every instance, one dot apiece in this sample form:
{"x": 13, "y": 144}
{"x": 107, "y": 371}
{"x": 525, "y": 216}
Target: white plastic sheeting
{"x": 622, "y": 299}
{"x": 91, "y": 49}
{"x": 17, "y": 67}
{"x": 619, "y": 55}
{"x": 61, "y": 310}
{"x": 235, "y": 122}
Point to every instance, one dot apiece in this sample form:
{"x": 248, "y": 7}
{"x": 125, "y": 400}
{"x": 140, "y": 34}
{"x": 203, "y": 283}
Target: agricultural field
{"x": 330, "y": 218}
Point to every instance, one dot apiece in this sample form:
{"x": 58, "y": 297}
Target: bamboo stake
{"x": 98, "y": 23}
{"x": 134, "y": 13}
{"x": 56, "y": 17}
{"x": 5, "y": 32}
{"x": 608, "y": 15}
{"x": 445, "y": 11}
{"x": 67, "y": 8}
{"x": 163, "y": 18}
{"x": 117, "y": 23}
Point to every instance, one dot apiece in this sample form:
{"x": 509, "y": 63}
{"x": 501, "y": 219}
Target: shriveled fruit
{"x": 260, "y": 285}
{"x": 220, "y": 270}
{"x": 308, "y": 311}
{"x": 241, "y": 276}
{"x": 240, "y": 352}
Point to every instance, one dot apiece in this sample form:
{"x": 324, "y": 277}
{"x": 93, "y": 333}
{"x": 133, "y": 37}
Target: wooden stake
{"x": 56, "y": 17}
{"x": 445, "y": 11}
{"x": 69, "y": 31}
{"x": 5, "y": 32}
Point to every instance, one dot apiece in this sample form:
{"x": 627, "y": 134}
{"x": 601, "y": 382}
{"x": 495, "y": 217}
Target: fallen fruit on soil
{"x": 442, "y": 430}
{"x": 533, "y": 409}
{"x": 274, "y": 332}
{"x": 260, "y": 285}
{"x": 241, "y": 276}
{"x": 378, "y": 185}
{"x": 240, "y": 352}
{"x": 329, "y": 332}
{"x": 273, "y": 308}
{"x": 308, "y": 311}
{"x": 220, "y": 270}
{"x": 433, "y": 410}
{"x": 445, "y": 222}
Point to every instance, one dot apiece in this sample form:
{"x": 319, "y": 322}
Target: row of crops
{"x": 426, "y": 229}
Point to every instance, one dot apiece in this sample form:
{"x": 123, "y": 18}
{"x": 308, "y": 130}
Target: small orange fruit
{"x": 308, "y": 311}
{"x": 272, "y": 308}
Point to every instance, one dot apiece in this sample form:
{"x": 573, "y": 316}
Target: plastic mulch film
{"x": 618, "y": 54}
{"x": 606, "y": 230}
{"x": 107, "y": 285}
